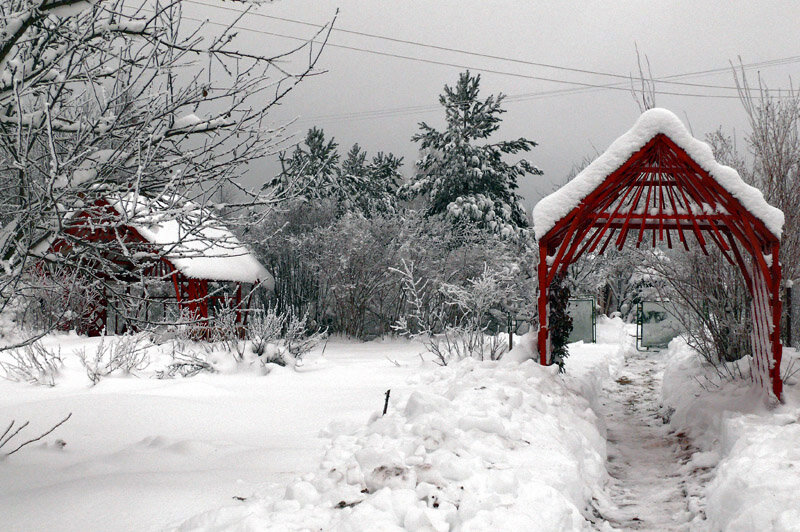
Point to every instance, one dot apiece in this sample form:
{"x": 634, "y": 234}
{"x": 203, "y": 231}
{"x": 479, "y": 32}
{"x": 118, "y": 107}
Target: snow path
{"x": 649, "y": 486}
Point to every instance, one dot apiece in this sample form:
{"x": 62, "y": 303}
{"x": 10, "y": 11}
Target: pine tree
{"x": 311, "y": 169}
{"x": 356, "y": 185}
{"x": 383, "y": 180}
{"x": 374, "y": 184}
{"x": 465, "y": 180}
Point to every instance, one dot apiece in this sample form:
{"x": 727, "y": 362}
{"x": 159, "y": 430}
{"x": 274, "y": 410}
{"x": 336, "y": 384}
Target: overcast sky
{"x": 377, "y": 100}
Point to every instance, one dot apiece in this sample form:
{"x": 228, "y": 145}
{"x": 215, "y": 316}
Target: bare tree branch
{"x": 32, "y": 440}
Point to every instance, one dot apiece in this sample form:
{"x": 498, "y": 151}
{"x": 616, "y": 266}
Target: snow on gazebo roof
{"x": 554, "y": 207}
{"x": 193, "y": 239}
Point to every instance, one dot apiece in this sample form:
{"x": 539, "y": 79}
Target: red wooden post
{"x": 177, "y": 286}
{"x": 777, "y": 348}
{"x": 202, "y": 296}
{"x": 543, "y": 336}
{"x": 238, "y": 302}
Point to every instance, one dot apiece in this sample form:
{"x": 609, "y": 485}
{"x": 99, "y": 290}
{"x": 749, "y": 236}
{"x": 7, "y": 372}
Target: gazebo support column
{"x": 543, "y": 338}
{"x": 775, "y": 337}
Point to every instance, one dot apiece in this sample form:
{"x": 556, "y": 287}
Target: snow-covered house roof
{"x": 557, "y": 205}
{"x": 192, "y": 238}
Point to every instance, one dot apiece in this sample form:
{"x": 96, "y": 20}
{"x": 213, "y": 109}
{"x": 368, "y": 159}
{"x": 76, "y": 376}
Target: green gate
{"x": 656, "y": 325}
{"x": 583, "y": 312}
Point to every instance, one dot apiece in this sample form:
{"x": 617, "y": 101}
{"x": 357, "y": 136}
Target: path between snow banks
{"x": 649, "y": 489}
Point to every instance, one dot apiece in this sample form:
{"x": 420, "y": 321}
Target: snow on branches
{"x": 112, "y": 97}
{"x": 465, "y": 180}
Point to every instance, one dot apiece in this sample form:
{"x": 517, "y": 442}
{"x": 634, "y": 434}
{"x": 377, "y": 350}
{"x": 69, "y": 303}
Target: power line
{"x": 664, "y": 79}
{"x": 614, "y": 86}
{"x": 578, "y": 87}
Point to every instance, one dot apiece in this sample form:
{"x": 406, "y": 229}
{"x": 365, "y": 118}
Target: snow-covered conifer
{"x": 314, "y": 171}
{"x": 463, "y": 175}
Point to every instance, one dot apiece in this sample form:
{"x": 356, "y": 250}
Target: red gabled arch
{"x": 661, "y": 194}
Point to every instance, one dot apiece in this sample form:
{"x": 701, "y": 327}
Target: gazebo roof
{"x": 651, "y": 123}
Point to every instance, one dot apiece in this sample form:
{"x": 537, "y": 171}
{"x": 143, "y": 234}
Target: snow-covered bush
{"x": 185, "y": 363}
{"x": 263, "y": 328}
{"x": 281, "y": 338}
{"x": 559, "y": 321}
{"x": 352, "y": 260}
{"x": 298, "y": 339}
{"x": 710, "y": 300}
{"x": 56, "y": 299}
{"x": 126, "y": 354}
{"x": 343, "y": 271}
{"x": 32, "y": 363}
{"x": 457, "y": 326}
{"x": 227, "y": 330}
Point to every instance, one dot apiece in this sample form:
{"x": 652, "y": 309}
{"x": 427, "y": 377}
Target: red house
{"x": 156, "y": 261}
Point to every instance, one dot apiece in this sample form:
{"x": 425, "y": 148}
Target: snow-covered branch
{"x": 105, "y": 99}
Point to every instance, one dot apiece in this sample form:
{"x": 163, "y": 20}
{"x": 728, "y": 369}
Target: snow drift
{"x": 473, "y": 446}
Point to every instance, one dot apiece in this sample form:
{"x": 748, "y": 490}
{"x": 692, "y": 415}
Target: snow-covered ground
{"x": 752, "y": 446}
{"x": 471, "y": 446}
{"x": 142, "y": 453}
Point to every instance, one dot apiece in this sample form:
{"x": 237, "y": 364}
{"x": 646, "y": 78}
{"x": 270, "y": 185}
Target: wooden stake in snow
{"x": 510, "y": 332}
{"x": 386, "y": 403}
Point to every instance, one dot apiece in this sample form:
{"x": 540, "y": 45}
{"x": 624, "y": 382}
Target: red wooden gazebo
{"x": 658, "y": 185}
{"x": 177, "y": 242}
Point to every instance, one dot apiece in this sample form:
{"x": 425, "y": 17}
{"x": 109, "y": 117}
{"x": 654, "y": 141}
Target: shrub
{"x": 263, "y": 328}
{"x": 710, "y": 300}
{"x": 343, "y": 272}
{"x": 558, "y": 320}
{"x": 32, "y": 363}
{"x": 57, "y": 299}
{"x": 298, "y": 339}
{"x": 457, "y": 326}
{"x": 127, "y": 354}
{"x": 186, "y": 364}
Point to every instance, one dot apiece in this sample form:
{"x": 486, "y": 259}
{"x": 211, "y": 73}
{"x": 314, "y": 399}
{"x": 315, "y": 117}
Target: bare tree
{"x": 116, "y": 98}
{"x": 774, "y": 142}
{"x": 645, "y": 97}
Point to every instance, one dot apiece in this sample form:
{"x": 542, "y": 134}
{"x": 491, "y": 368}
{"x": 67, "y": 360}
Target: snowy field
{"x": 473, "y": 446}
{"x": 142, "y": 453}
